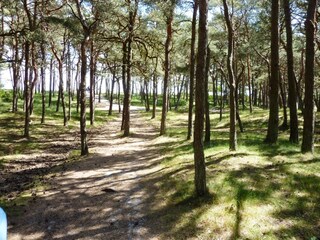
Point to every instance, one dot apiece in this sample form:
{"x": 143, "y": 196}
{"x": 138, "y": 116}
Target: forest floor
{"x": 104, "y": 196}
{"x": 142, "y": 186}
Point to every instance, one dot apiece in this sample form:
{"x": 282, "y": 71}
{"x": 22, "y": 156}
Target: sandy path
{"x": 101, "y": 197}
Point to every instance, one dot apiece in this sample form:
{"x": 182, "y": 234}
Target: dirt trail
{"x": 103, "y": 196}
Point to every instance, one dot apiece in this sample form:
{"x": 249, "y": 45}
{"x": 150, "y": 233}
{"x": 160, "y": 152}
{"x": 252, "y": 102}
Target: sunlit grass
{"x": 260, "y": 191}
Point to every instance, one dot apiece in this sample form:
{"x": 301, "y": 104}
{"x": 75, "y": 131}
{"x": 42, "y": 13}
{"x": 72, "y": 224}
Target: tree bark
{"x": 294, "y": 133}
{"x": 284, "y": 126}
{"x": 155, "y": 92}
{"x": 206, "y": 95}
{"x": 199, "y": 159}
{"x": 83, "y": 128}
{"x": 272, "y": 134}
{"x": 309, "y": 114}
{"x": 26, "y": 91}
{"x": 111, "y": 92}
{"x": 92, "y": 82}
{"x": 169, "y": 21}
{"x": 43, "y": 82}
{"x": 192, "y": 67}
{"x": 233, "y": 132}
{"x": 50, "y": 82}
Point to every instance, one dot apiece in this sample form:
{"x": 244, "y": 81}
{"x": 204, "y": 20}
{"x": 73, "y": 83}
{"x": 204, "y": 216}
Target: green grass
{"x": 260, "y": 191}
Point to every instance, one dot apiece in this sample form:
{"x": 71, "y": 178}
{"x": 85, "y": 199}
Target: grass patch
{"x": 259, "y": 192}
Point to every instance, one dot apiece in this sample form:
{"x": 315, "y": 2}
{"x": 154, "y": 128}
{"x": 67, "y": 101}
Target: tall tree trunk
{"x": 92, "y": 82}
{"x": 69, "y": 63}
{"x": 35, "y": 76}
{"x": 119, "y": 96}
{"x": 272, "y": 134}
{"x": 249, "y": 82}
{"x": 154, "y": 91}
{"x": 199, "y": 159}
{"x": 180, "y": 88}
{"x": 15, "y": 74}
{"x": 51, "y": 82}
{"x": 124, "y": 82}
{"x": 147, "y": 102}
{"x": 26, "y": 90}
{"x": 206, "y": 95}
{"x": 221, "y": 98}
{"x": 43, "y": 82}
{"x": 284, "y": 126}
{"x": 169, "y": 21}
{"x": 233, "y": 132}
{"x": 192, "y": 67}
{"x": 294, "y": 133}
{"x": 309, "y": 114}
{"x": 61, "y": 90}
{"x": 111, "y": 92}
{"x": 83, "y": 127}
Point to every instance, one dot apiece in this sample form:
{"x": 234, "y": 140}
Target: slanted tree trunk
{"x": 272, "y": 134}
{"x": 199, "y": 160}
{"x": 192, "y": 67}
{"x": 309, "y": 114}
{"x": 233, "y": 132}
{"x": 294, "y": 133}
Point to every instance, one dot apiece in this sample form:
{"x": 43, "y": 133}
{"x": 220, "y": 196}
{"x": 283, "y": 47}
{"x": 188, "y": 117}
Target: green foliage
{"x": 6, "y": 96}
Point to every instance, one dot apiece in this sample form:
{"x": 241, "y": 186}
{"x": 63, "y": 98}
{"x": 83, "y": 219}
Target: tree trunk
{"x": 50, "y": 82}
{"x": 249, "y": 82}
{"x": 294, "y": 133}
{"x": 34, "y": 75}
{"x": 199, "y": 159}
{"x": 69, "y": 81}
{"x": 111, "y": 93}
{"x": 154, "y": 93}
{"x": 284, "y": 126}
{"x": 180, "y": 88}
{"x": 15, "y": 74}
{"x": 233, "y": 132}
{"x": 309, "y": 114}
{"x": 206, "y": 95}
{"x": 192, "y": 67}
{"x": 124, "y": 82}
{"x": 26, "y": 91}
{"x": 272, "y": 134}
{"x": 43, "y": 82}
{"x": 147, "y": 102}
{"x": 169, "y": 21}
{"x": 221, "y": 98}
{"x": 83, "y": 128}
{"x": 92, "y": 82}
